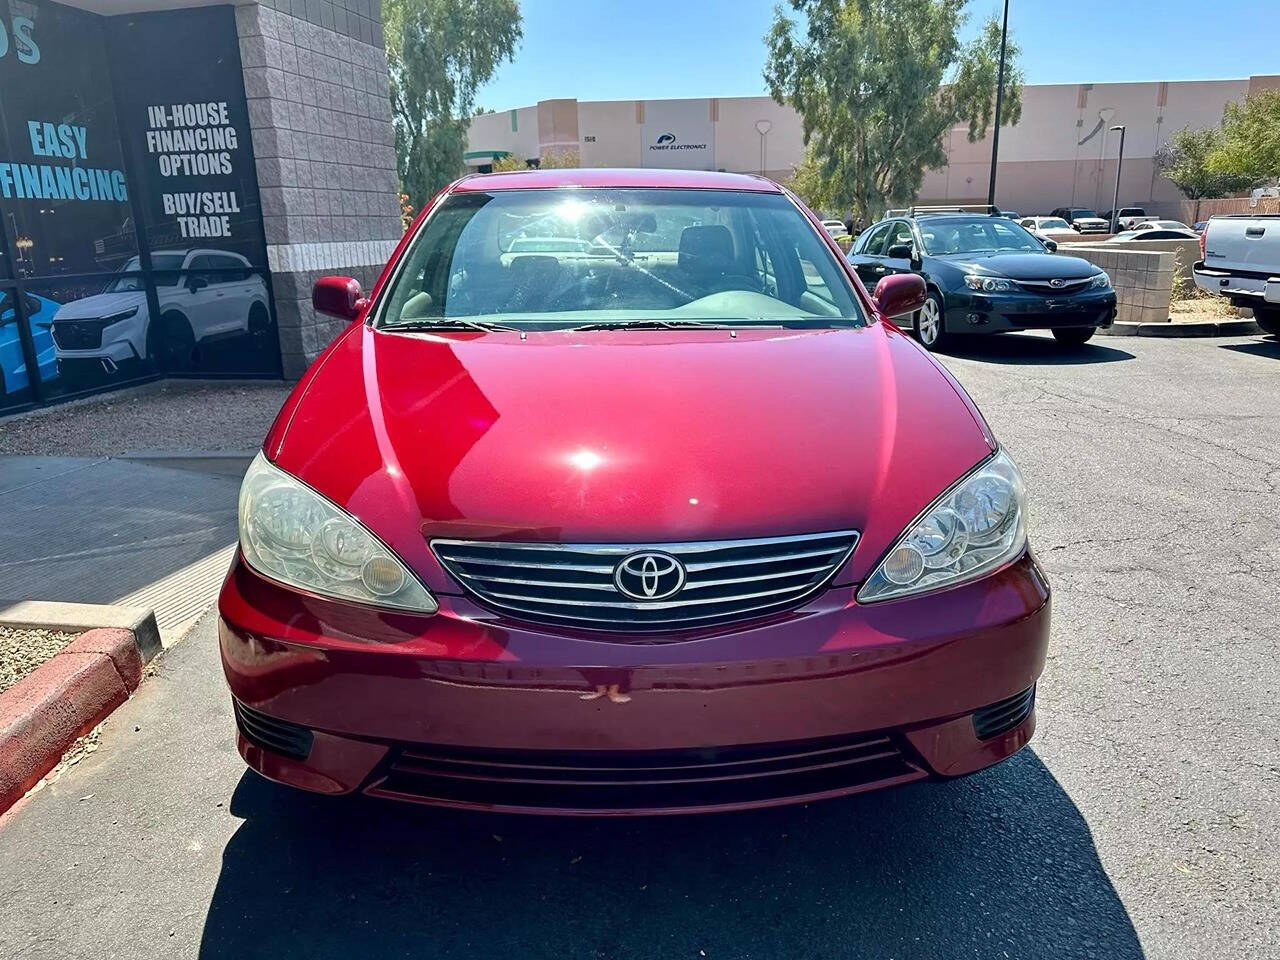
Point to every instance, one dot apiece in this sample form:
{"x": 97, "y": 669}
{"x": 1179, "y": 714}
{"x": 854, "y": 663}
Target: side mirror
{"x": 339, "y": 297}
{"x": 1050, "y": 245}
{"x": 197, "y": 283}
{"x": 900, "y": 251}
{"x": 899, "y": 294}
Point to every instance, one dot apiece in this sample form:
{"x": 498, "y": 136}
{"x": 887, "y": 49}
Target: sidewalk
{"x": 99, "y": 530}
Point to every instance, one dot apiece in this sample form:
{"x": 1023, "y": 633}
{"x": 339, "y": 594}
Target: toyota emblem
{"x": 649, "y": 576}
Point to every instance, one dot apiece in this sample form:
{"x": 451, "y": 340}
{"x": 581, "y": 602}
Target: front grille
{"x": 77, "y": 334}
{"x": 278, "y": 736}
{"x": 1005, "y": 715}
{"x": 575, "y": 584}
{"x": 1043, "y": 286}
{"x": 601, "y": 781}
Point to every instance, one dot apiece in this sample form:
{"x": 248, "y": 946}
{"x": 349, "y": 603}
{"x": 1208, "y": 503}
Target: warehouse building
{"x": 1059, "y": 154}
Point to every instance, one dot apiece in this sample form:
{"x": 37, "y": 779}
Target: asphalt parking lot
{"x": 1141, "y": 822}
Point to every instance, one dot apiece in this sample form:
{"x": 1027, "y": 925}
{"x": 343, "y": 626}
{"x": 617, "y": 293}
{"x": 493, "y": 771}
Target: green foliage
{"x": 878, "y": 83}
{"x": 554, "y": 159}
{"x": 439, "y": 53}
{"x": 1184, "y": 160}
{"x": 1250, "y": 142}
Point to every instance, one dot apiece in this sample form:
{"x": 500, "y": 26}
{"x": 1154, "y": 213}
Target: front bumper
{"x": 463, "y": 710}
{"x": 972, "y": 312}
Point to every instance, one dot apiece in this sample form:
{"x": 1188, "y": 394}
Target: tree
{"x": 553, "y": 159}
{"x": 877, "y": 84}
{"x": 439, "y": 52}
{"x": 1249, "y": 146}
{"x": 1184, "y": 160}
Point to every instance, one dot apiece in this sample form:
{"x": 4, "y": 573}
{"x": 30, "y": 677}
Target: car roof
{"x": 615, "y": 177}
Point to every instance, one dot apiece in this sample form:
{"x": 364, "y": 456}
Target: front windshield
{"x": 1054, "y": 223}
{"x": 1085, "y": 213}
{"x": 976, "y": 235}
{"x": 129, "y": 282}
{"x": 551, "y": 259}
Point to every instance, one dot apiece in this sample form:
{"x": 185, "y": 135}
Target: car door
{"x": 901, "y": 240}
{"x": 232, "y": 294}
{"x": 867, "y": 257}
{"x": 197, "y": 297}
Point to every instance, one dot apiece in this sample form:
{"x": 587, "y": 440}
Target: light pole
{"x": 1115, "y": 199}
{"x": 763, "y": 127}
{"x": 995, "y": 136}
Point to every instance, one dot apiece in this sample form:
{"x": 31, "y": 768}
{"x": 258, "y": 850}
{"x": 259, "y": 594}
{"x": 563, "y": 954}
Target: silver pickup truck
{"x": 1240, "y": 260}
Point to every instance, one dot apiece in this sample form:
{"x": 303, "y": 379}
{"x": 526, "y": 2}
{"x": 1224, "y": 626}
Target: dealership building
{"x": 174, "y": 176}
{"x": 1060, "y": 153}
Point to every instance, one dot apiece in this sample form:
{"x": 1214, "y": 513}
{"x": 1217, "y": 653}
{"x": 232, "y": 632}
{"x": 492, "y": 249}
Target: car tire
{"x": 928, "y": 323}
{"x": 171, "y": 343}
{"x": 1074, "y": 336}
{"x": 259, "y": 322}
{"x": 1268, "y": 318}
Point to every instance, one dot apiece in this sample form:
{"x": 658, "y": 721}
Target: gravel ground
{"x": 21, "y": 651}
{"x": 169, "y": 416}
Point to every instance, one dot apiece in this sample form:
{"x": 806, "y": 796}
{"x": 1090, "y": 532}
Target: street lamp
{"x": 763, "y": 127}
{"x": 1115, "y": 199}
{"x": 995, "y": 136}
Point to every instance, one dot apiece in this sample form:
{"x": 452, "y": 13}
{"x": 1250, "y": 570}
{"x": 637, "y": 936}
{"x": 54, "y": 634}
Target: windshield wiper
{"x": 449, "y": 323}
{"x": 650, "y": 324}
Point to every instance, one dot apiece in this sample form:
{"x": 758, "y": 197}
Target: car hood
{"x": 1023, "y": 266}
{"x": 100, "y": 305}
{"x": 629, "y": 436}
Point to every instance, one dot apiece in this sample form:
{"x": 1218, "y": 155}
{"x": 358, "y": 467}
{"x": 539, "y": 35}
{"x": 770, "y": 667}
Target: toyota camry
{"x": 657, "y": 514}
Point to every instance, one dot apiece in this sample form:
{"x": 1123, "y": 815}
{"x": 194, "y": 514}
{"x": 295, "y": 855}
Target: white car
{"x": 1161, "y": 225}
{"x": 1147, "y": 232}
{"x": 835, "y": 227}
{"x": 1048, "y": 228}
{"x": 216, "y": 295}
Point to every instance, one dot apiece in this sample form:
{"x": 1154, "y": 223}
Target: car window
{"x": 899, "y": 234}
{"x": 875, "y": 244}
{"x": 224, "y": 261}
{"x": 617, "y": 256}
{"x": 949, "y": 235}
{"x": 1054, "y": 223}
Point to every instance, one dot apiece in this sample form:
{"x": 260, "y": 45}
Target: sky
{"x": 657, "y": 49}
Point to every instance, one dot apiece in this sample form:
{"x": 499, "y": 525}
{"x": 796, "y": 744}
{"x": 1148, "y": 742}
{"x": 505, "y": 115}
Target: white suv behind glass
{"x": 217, "y": 295}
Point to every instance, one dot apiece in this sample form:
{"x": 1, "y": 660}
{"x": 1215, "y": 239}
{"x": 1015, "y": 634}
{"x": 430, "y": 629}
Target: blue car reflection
{"x": 13, "y": 371}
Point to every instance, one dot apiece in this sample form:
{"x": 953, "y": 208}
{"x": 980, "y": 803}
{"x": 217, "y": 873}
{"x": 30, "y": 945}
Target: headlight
{"x": 1100, "y": 281}
{"x": 117, "y": 317}
{"x": 974, "y": 527}
{"x": 990, "y": 284}
{"x": 290, "y": 533}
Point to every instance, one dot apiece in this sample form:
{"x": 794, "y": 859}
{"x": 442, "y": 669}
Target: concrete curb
{"x": 64, "y": 698}
{"x": 1236, "y": 327}
{"x": 78, "y": 617}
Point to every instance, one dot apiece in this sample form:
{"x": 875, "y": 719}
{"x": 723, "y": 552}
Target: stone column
{"x": 315, "y": 76}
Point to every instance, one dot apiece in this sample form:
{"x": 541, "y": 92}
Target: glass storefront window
{"x": 15, "y": 383}
{"x": 62, "y": 178}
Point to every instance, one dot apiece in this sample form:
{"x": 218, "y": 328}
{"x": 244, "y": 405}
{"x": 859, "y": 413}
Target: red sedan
{"x": 621, "y": 495}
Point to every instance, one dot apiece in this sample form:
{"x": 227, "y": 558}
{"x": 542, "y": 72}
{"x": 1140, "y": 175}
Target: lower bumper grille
{"x": 604, "y": 781}
{"x": 77, "y": 334}
{"x": 1004, "y": 715}
{"x": 278, "y": 736}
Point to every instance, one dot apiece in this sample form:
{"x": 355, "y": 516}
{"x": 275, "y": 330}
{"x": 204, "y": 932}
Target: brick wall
{"x": 315, "y": 76}
{"x": 1143, "y": 279}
